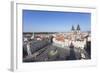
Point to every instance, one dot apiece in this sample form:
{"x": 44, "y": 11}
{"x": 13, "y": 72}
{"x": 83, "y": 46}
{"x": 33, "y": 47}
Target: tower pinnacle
{"x": 78, "y": 27}
{"x": 73, "y": 28}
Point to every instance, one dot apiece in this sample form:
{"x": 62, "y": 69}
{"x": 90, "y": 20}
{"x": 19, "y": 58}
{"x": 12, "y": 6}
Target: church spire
{"x": 73, "y": 28}
{"x": 78, "y": 27}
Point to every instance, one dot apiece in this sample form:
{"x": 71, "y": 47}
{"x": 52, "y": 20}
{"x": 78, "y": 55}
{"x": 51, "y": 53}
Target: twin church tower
{"x": 77, "y": 28}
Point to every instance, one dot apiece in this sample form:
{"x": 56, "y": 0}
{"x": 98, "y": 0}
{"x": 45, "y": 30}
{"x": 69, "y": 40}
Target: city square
{"x": 56, "y": 46}
{"x": 47, "y": 38}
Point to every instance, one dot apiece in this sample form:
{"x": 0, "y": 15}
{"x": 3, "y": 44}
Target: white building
{"x": 76, "y": 37}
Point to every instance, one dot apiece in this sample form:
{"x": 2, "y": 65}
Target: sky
{"x": 54, "y": 21}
